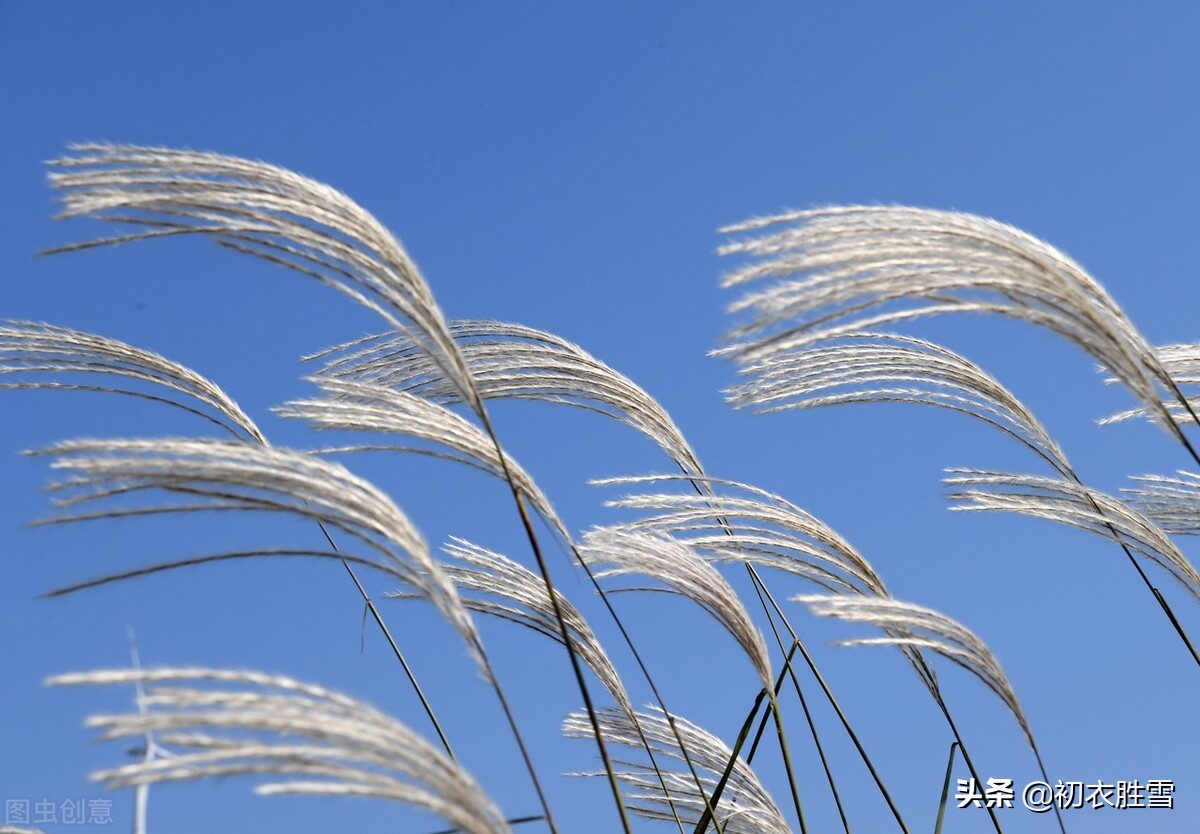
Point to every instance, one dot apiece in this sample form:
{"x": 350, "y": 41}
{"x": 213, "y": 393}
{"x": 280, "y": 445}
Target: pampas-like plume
{"x": 513, "y": 361}
{"x": 34, "y": 348}
{"x": 1182, "y": 362}
{"x": 493, "y": 584}
{"x": 265, "y": 211}
{"x": 853, "y": 268}
{"x": 753, "y": 811}
{"x": 742, "y": 523}
{"x": 257, "y": 724}
{"x": 884, "y": 367}
{"x": 369, "y": 407}
{"x": 914, "y": 627}
{"x": 676, "y": 565}
{"x": 230, "y": 475}
{"x": 1173, "y": 503}
{"x": 1069, "y": 502}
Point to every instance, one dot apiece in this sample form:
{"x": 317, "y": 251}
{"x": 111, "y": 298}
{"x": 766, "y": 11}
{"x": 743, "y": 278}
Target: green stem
{"x": 937, "y": 828}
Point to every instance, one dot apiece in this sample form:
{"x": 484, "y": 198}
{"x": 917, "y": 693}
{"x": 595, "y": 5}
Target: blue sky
{"x": 568, "y": 168}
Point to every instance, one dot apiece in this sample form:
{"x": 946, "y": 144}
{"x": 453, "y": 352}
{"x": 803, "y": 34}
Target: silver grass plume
{"x": 34, "y": 348}
{"x": 1171, "y": 502}
{"x": 512, "y": 361}
{"x": 683, "y": 571}
{"x": 736, "y": 522}
{"x": 224, "y": 723}
{"x": 914, "y": 627}
{"x": 1069, "y": 502}
{"x": 212, "y": 475}
{"x": 265, "y": 211}
{"x": 853, "y": 268}
{"x": 491, "y": 583}
{"x": 750, "y": 811}
{"x": 885, "y": 367}
{"x": 369, "y": 407}
{"x": 1182, "y": 362}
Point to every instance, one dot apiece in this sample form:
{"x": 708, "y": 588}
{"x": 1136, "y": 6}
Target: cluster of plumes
{"x": 219, "y": 723}
{"x": 810, "y": 341}
{"x": 512, "y": 361}
{"x": 846, "y": 270}
{"x": 747, "y": 808}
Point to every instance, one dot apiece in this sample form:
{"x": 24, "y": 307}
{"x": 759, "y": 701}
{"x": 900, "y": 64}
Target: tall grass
{"x": 826, "y": 296}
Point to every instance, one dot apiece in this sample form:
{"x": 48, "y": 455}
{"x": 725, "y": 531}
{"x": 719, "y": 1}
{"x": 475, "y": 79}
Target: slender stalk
{"x": 412, "y": 679}
{"x": 513, "y": 821}
{"x": 787, "y": 762}
{"x": 937, "y": 697}
{"x": 812, "y": 727}
{"x": 709, "y": 814}
{"x": 837, "y": 708}
{"x": 576, "y": 666}
{"x": 937, "y": 828}
{"x": 516, "y": 731}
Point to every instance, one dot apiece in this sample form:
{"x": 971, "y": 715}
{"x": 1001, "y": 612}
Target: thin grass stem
{"x": 937, "y": 828}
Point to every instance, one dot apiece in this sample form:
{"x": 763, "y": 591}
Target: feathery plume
{"x": 369, "y": 407}
{"x": 1069, "y": 502}
{"x": 226, "y": 723}
{"x": 512, "y": 361}
{"x": 1182, "y": 362}
{"x": 677, "y": 566}
{"x": 742, "y": 523}
{"x": 1173, "y": 503}
{"x": 853, "y": 268}
{"x": 265, "y": 211}
{"x": 885, "y": 367}
{"x": 914, "y": 627}
{"x": 230, "y": 475}
{"x": 751, "y": 811}
{"x": 28, "y": 347}
{"x": 491, "y": 583}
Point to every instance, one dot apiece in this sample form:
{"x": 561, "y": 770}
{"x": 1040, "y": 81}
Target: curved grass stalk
{"x": 682, "y": 571}
{"x": 37, "y": 348}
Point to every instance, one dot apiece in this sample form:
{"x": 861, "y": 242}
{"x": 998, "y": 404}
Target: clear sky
{"x": 567, "y": 168}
